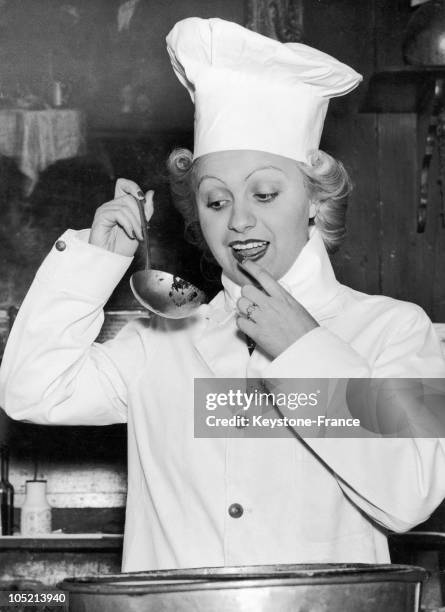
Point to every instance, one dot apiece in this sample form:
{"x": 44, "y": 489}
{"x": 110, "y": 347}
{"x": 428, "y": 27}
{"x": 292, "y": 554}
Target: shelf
{"x": 401, "y": 89}
{"x": 63, "y": 542}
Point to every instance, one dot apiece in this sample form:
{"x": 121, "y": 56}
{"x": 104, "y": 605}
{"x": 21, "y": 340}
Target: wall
{"x": 107, "y": 65}
{"x": 383, "y": 252}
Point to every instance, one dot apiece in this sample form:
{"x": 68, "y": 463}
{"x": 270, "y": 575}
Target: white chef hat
{"x": 253, "y": 92}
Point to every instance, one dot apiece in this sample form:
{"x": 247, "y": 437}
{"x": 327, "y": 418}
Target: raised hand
{"x": 117, "y": 224}
{"x": 271, "y": 317}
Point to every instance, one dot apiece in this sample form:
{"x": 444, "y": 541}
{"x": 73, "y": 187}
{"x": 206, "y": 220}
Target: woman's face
{"x": 252, "y": 205}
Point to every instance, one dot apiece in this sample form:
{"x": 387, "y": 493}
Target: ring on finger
{"x": 250, "y": 310}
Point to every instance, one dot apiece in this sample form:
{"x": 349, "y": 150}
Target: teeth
{"x": 250, "y": 245}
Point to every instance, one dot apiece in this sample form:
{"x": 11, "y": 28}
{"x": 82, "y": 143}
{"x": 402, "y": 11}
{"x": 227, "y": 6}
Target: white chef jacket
{"x": 318, "y": 500}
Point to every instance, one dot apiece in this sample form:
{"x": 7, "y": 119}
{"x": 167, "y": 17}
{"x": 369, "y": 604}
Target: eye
{"x": 217, "y": 204}
{"x": 266, "y": 197}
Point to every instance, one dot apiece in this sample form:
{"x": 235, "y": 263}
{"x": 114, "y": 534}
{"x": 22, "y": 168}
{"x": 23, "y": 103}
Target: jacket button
{"x": 60, "y": 245}
{"x": 236, "y": 510}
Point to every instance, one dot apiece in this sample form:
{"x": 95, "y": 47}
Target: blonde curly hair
{"x": 326, "y": 180}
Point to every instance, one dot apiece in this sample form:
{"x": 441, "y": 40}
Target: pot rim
{"x": 193, "y": 579}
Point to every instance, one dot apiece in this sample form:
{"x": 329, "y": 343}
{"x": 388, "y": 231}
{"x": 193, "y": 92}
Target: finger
{"x": 142, "y": 208}
{"x": 133, "y": 224}
{"x": 126, "y": 223}
{"x": 262, "y": 277}
{"x": 243, "y": 304}
{"x": 125, "y": 186}
{"x": 247, "y": 327}
{"x": 138, "y": 217}
{"x": 255, "y": 295}
{"x": 252, "y": 312}
{"x": 149, "y": 204}
{"x": 128, "y": 203}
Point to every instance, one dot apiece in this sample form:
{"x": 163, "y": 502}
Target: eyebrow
{"x": 264, "y": 168}
{"x": 210, "y": 176}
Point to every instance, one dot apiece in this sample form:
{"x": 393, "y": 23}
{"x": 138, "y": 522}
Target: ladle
{"x": 161, "y": 292}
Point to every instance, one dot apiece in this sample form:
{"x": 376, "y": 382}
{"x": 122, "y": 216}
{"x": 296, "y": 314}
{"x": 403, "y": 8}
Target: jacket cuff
{"x": 78, "y": 268}
{"x": 318, "y": 354}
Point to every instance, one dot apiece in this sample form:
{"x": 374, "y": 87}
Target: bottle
{"x": 7, "y": 494}
{"x": 3, "y": 498}
{"x": 36, "y": 511}
{"x": 57, "y": 94}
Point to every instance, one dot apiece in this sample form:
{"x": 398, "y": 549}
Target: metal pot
{"x": 270, "y": 588}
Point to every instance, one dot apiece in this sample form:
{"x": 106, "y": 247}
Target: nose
{"x": 242, "y": 218}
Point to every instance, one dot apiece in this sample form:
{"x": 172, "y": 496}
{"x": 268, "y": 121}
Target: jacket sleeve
{"x": 52, "y": 371}
{"x": 396, "y": 481}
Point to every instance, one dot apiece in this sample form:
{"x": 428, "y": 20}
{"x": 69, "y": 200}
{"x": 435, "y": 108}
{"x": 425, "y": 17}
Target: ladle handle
{"x": 144, "y": 232}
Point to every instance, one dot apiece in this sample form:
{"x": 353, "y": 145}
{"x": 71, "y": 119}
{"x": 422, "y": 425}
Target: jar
{"x": 36, "y": 511}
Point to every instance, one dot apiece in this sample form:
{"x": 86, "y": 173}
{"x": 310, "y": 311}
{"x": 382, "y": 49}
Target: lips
{"x": 248, "y": 249}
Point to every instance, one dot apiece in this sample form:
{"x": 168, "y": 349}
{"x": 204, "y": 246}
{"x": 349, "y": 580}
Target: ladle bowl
{"x": 163, "y": 293}
{"x": 166, "y": 294}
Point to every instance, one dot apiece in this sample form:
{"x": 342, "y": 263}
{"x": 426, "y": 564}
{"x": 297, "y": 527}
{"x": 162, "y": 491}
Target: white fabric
{"x": 315, "y": 501}
{"x": 253, "y": 92}
{"x": 37, "y": 139}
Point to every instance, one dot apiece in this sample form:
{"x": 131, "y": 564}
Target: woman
{"x": 256, "y": 189}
